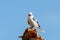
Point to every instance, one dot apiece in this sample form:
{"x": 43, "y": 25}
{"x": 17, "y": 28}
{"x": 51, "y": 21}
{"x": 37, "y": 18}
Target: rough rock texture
{"x": 31, "y": 34}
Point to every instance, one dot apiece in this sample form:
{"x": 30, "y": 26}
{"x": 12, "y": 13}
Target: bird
{"x": 33, "y": 22}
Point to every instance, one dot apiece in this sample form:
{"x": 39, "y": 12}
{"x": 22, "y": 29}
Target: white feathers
{"x": 33, "y": 22}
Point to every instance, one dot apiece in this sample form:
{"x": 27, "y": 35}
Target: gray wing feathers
{"x": 36, "y": 21}
{"x": 28, "y": 22}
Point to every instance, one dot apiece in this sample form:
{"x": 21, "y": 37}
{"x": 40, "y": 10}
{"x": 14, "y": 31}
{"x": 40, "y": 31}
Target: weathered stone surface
{"x": 31, "y": 34}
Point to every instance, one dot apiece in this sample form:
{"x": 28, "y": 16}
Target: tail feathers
{"x": 41, "y": 30}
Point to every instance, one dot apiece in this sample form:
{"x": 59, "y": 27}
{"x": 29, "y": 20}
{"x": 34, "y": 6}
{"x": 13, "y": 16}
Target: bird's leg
{"x": 31, "y": 27}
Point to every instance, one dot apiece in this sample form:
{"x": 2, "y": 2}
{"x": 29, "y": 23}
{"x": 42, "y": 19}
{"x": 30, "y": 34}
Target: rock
{"x": 31, "y": 34}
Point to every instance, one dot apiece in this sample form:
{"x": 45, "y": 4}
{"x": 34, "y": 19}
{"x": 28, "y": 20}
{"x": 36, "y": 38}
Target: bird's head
{"x": 30, "y": 14}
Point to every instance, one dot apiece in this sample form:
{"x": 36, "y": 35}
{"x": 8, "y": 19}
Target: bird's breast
{"x": 30, "y": 22}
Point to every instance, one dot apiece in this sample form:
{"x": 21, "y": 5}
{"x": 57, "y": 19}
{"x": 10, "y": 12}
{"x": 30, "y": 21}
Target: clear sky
{"x": 13, "y": 14}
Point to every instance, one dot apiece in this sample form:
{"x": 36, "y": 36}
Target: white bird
{"x": 33, "y": 22}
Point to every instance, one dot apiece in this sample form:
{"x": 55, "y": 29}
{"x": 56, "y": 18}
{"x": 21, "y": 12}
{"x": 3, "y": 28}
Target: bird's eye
{"x": 29, "y": 14}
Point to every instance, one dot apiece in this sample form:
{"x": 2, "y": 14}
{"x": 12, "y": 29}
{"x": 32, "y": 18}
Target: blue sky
{"x": 13, "y": 14}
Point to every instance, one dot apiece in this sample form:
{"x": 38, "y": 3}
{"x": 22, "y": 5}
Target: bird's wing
{"x": 36, "y": 21}
{"x": 38, "y": 25}
{"x": 28, "y": 22}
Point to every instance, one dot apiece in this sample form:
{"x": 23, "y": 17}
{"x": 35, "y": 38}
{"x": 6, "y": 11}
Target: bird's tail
{"x": 41, "y": 30}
